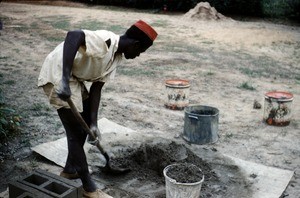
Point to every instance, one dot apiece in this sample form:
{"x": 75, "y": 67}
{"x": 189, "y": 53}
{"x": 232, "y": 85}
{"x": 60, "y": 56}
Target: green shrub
{"x": 281, "y": 8}
{"x": 9, "y": 121}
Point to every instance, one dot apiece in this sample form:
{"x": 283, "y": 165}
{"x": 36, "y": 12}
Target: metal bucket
{"x": 175, "y": 189}
{"x": 278, "y": 108}
{"x": 201, "y": 124}
{"x": 177, "y": 91}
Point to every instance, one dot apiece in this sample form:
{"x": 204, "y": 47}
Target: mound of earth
{"x": 203, "y": 11}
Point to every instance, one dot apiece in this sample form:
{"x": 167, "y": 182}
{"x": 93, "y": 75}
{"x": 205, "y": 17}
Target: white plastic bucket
{"x": 177, "y": 91}
{"x": 175, "y": 189}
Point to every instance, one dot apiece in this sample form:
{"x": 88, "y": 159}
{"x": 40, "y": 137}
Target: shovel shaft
{"x": 83, "y": 124}
{"x": 107, "y": 168}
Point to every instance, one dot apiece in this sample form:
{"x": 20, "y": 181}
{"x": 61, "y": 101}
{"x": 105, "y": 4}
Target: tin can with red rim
{"x": 278, "y": 108}
{"x": 177, "y": 91}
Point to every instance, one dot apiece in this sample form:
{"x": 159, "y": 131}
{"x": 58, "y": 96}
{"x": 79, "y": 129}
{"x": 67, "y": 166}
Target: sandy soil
{"x": 216, "y": 56}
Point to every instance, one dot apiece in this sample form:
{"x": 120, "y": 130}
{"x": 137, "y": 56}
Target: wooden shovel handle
{"x": 84, "y": 125}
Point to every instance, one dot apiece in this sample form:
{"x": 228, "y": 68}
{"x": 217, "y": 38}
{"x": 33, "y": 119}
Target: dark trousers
{"x": 76, "y": 136}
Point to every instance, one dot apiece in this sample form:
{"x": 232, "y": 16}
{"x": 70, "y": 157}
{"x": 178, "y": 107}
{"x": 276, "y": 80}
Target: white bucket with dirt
{"x": 177, "y": 91}
{"x": 183, "y": 180}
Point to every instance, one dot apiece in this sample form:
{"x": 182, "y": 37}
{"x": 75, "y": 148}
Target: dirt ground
{"x": 229, "y": 63}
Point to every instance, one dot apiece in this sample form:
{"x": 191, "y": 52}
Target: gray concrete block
{"x": 18, "y": 190}
{"x": 26, "y": 195}
{"x": 72, "y": 183}
{"x": 41, "y": 182}
{"x": 49, "y": 185}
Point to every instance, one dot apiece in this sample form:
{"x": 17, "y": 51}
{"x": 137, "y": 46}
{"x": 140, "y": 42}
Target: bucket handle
{"x": 194, "y": 117}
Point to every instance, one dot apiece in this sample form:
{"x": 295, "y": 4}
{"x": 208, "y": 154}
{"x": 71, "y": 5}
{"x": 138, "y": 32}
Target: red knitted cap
{"x": 147, "y": 29}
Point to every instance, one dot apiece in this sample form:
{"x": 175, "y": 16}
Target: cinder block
{"x": 49, "y": 186}
{"x": 18, "y": 190}
{"x": 26, "y": 195}
{"x": 72, "y": 183}
{"x": 47, "y": 183}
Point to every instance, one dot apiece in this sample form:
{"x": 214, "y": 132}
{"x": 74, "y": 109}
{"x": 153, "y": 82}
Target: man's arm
{"x": 73, "y": 41}
{"x": 95, "y": 97}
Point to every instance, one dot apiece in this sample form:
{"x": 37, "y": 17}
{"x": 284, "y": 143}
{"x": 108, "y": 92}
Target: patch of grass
{"x": 57, "y": 125}
{"x": 16, "y": 50}
{"x": 205, "y": 73}
{"x": 58, "y": 22}
{"x": 62, "y": 24}
{"x": 91, "y": 24}
{"x": 263, "y": 66}
{"x": 54, "y": 39}
{"x": 25, "y": 142}
{"x": 128, "y": 71}
{"x": 178, "y": 47}
{"x": 21, "y": 28}
{"x": 246, "y": 86}
{"x": 228, "y": 137}
{"x": 33, "y": 163}
{"x": 39, "y": 107}
{"x": 9, "y": 82}
{"x": 209, "y": 73}
{"x": 208, "y": 42}
{"x": 254, "y": 66}
{"x": 34, "y": 25}
{"x": 250, "y": 72}
{"x": 117, "y": 29}
{"x": 4, "y": 57}
{"x": 160, "y": 23}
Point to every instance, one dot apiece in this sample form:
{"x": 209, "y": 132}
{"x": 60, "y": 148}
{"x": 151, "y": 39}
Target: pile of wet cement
{"x": 147, "y": 163}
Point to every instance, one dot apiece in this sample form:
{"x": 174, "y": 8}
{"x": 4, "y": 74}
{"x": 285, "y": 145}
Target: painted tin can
{"x": 278, "y": 108}
{"x": 177, "y": 91}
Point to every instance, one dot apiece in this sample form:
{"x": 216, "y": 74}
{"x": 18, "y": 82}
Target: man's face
{"x": 133, "y": 50}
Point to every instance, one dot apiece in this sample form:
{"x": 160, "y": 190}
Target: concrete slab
{"x": 265, "y": 181}
{"x": 57, "y": 151}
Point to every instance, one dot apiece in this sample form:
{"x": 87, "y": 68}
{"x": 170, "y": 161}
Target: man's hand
{"x": 97, "y": 134}
{"x": 64, "y": 91}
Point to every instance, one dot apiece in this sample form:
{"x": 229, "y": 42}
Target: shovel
{"x": 107, "y": 168}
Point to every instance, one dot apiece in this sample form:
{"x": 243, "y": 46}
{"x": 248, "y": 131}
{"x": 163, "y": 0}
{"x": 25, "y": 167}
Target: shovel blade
{"x": 109, "y": 169}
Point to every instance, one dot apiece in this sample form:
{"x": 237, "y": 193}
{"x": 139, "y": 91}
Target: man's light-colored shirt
{"x": 93, "y": 62}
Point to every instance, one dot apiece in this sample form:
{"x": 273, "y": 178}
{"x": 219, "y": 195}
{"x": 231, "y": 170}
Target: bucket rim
{"x": 180, "y": 183}
{"x": 279, "y": 95}
{"x": 182, "y": 83}
{"x": 195, "y": 114}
